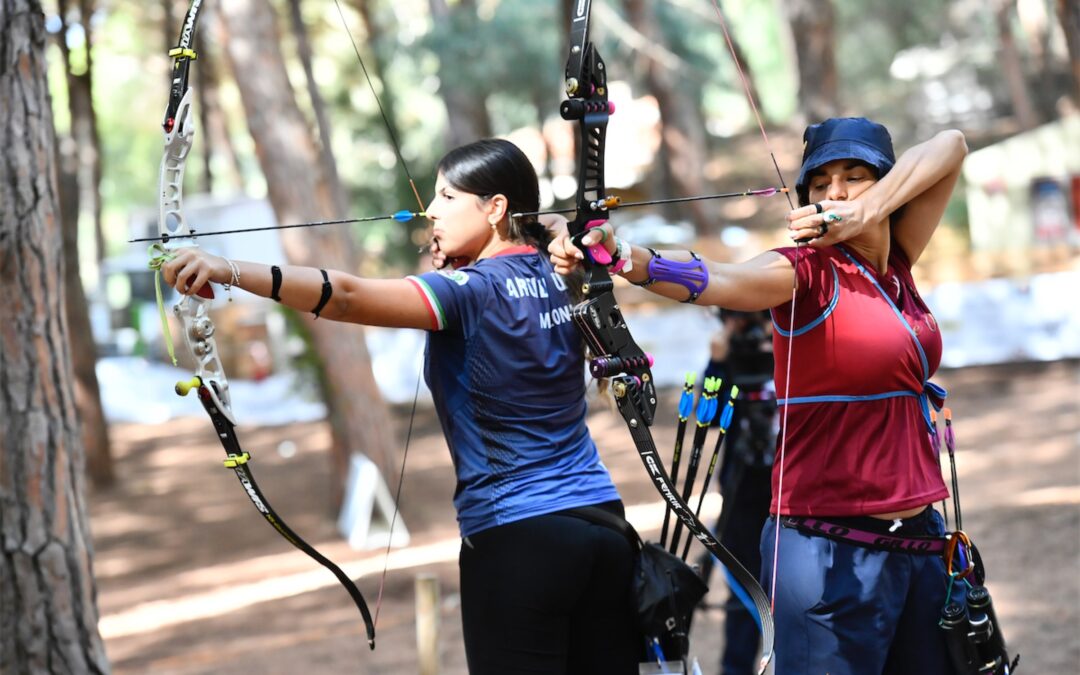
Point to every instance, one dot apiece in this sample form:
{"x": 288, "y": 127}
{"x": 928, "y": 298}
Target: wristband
{"x": 624, "y": 257}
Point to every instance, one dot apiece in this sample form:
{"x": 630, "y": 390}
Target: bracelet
{"x": 624, "y": 257}
{"x": 235, "y": 280}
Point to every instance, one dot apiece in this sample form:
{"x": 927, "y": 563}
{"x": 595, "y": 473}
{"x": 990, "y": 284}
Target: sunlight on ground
{"x": 218, "y": 601}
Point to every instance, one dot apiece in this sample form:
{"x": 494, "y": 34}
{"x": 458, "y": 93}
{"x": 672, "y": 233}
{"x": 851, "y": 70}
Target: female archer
{"x": 855, "y": 346}
{"x": 542, "y": 590}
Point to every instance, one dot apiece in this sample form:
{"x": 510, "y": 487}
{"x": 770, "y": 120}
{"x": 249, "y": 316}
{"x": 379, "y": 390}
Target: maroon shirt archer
{"x": 857, "y": 439}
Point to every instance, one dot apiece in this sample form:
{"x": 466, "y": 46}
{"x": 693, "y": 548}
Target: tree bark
{"x": 299, "y": 191}
{"x": 1068, "y": 12}
{"x": 813, "y": 29}
{"x": 466, "y": 107}
{"x": 326, "y": 153}
{"x": 682, "y": 128}
{"x": 48, "y": 605}
{"x": 1013, "y": 69}
{"x": 76, "y": 168}
{"x": 212, "y": 117}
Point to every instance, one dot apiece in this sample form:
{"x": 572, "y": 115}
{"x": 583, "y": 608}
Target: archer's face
{"x": 840, "y": 180}
{"x": 460, "y": 221}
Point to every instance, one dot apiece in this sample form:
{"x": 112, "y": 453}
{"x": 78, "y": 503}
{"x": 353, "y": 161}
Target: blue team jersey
{"x": 506, "y": 371}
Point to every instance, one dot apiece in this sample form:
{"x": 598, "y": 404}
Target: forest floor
{"x": 192, "y": 581}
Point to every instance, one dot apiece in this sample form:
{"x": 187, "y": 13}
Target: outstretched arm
{"x": 373, "y": 302}
{"x": 762, "y": 282}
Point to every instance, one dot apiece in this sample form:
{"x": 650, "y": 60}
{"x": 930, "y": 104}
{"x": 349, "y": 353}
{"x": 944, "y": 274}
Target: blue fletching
{"x": 404, "y": 215}
{"x": 710, "y": 413}
{"x": 725, "y": 417}
{"x": 686, "y": 404}
{"x": 729, "y": 409}
{"x": 703, "y": 406}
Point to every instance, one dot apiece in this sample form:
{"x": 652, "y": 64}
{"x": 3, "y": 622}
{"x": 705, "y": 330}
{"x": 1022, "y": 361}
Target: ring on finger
{"x": 817, "y": 207}
{"x": 824, "y": 230}
{"x": 831, "y": 217}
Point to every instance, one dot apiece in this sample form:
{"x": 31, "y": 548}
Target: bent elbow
{"x": 957, "y": 142}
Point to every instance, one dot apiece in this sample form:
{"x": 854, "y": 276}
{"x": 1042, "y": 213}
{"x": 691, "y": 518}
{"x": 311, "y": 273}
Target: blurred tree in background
{"x": 447, "y": 72}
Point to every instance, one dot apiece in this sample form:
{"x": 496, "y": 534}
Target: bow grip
{"x": 597, "y": 252}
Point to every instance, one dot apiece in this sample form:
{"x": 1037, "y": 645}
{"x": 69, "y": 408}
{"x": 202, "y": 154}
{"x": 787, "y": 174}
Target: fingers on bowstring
{"x": 805, "y": 211}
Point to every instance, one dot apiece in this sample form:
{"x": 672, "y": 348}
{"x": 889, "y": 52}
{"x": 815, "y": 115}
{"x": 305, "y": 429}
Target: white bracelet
{"x": 235, "y": 280}
{"x": 623, "y": 258}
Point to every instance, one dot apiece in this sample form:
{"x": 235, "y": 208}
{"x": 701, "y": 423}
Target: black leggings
{"x": 550, "y": 594}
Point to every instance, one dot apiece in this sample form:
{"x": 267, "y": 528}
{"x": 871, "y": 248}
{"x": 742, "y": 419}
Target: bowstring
{"x": 419, "y": 373}
{"x": 794, "y": 293}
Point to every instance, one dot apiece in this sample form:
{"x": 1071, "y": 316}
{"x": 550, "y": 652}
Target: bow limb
{"x": 193, "y": 311}
{"x": 794, "y": 293}
{"x": 613, "y": 350}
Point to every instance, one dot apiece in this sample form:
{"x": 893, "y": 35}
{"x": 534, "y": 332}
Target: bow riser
{"x": 193, "y": 311}
{"x": 178, "y": 140}
{"x": 198, "y": 329}
{"x": 614, "y": 351}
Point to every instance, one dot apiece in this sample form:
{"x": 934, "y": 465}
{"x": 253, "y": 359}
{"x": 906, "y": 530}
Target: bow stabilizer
{"x": 614, "y": 352}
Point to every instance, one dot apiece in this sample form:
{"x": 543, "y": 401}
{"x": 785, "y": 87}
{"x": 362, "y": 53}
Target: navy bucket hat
{"x": 844, "y": 138}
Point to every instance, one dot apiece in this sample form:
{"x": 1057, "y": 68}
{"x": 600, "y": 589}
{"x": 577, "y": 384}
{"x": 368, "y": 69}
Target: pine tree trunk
{"x": 1068, "y": 12}
{"x": 1013, "y": 69}
{"x": 300, "y": 192}
{"x": 48, "y": 605}
{"x": 79, "y": 175}
{"x": 682, "y": 128}
{"x": 813, "y": 29}
{"x": 326, "y": 152}
{"x": 466, "y": 109}
{"x": 217, "y": 143}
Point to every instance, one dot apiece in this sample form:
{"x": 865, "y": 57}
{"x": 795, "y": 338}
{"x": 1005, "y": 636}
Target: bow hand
{"x": 189, "y": 270}
{"x": 568, "y": 253}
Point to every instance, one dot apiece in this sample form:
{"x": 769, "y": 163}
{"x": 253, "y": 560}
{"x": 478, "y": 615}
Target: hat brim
{"x": 843, "y": 149}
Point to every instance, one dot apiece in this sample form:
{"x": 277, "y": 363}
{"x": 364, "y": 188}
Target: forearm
{"x": 760, "y": 283}
{"x": 373, "y": 302}
{"x": 915, "y": 193}
{"x": 916, "y": 172}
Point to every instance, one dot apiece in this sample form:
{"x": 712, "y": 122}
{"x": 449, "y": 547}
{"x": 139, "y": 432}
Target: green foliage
{"x": 508, "y": 56}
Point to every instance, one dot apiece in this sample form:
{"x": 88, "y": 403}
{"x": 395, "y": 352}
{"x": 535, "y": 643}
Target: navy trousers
{"x": 846, "y": 610}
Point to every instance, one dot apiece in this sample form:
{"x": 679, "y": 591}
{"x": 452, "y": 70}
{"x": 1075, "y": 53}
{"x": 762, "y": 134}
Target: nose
{"x": 430, "y": 210}
{"x": 837, "y": 191}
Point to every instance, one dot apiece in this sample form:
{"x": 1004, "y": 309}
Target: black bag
{"x": 666, "y": 589}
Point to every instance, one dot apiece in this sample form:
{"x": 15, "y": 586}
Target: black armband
{"x": 327, "y": 291}
{"x": 275, "y": 288}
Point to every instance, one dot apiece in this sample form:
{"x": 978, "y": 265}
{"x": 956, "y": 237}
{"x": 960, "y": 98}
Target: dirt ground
{"x": 192, "y": 580}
